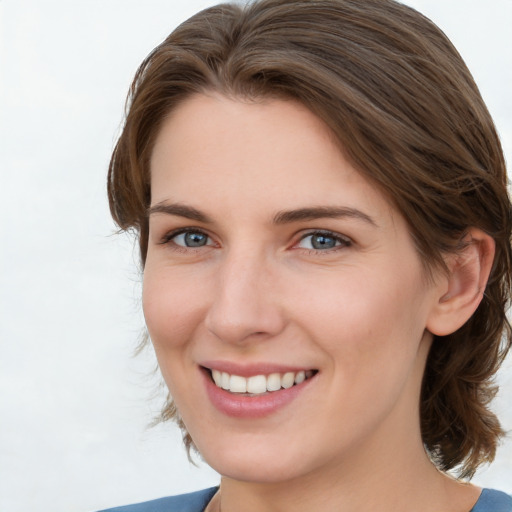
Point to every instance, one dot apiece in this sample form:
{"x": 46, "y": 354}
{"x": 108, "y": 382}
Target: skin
{"x": 361, "y": 313}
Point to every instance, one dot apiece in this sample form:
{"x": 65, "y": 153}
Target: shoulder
{"x": 493, "y": 501}
{"x": 191, "y": 502}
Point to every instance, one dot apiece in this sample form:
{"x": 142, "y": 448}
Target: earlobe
{"x": 462, "y": 289}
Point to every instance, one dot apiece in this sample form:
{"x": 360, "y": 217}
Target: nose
{"x": 245, "y": 303}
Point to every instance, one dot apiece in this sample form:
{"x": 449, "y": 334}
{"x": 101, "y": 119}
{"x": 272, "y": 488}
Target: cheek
{"x": 172, "y": 310}
{"x": 172, "y": 307}
{"x": 371, "y": 329}
{"x": 365, "y": 320}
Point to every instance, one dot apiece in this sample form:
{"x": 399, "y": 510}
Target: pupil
{"x": 195, "y": 239}
{"x": 323, "y": 242}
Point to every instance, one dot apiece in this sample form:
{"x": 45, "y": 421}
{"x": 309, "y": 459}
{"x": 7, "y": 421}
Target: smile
{"x": 261, "y": 390}
{"x": 259, "y": 384}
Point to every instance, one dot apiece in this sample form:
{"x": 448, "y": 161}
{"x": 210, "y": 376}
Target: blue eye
{"x": 191, "y": 239}
{"x": 323, "y": 241}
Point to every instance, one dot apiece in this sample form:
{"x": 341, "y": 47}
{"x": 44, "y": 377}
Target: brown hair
{"x": 408, "y": 114}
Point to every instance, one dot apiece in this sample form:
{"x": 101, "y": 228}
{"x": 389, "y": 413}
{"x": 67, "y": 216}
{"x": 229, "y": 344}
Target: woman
{"x": 320, "y": 199}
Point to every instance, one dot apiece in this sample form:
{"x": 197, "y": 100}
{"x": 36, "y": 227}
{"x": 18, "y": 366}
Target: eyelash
{"x": 341, "y": 241}
{"x": 167, "y": 239}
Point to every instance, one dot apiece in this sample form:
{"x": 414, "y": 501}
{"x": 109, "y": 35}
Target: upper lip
{"x": 251, "y": 369}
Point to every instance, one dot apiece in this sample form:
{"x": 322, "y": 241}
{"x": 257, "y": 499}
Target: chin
{"x": 260, "y": 462}
{"x": 257, "y": 471}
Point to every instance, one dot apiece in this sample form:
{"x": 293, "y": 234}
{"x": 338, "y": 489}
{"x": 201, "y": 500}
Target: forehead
{"x": 202, "y": 125}
{"x": 272, "y": 154}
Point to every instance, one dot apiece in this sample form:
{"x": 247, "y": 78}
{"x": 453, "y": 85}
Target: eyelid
{"x": 344, "y": 240}
{"x": 167, "y": 238}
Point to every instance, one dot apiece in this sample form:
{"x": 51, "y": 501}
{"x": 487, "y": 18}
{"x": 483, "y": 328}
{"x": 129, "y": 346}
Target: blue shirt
{"x": 493, "y": 501}
{"x": 489, "y": 501}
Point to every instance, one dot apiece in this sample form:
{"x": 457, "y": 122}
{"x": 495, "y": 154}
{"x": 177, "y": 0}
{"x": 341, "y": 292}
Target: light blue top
{"x": 489, "y": 501}
{"x": 191, "y": 502}
{"x": 493, "y": 501}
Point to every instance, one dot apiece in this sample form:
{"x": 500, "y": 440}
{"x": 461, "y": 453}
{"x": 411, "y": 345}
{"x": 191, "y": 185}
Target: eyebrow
{"x": 282, "y": 217}
{"x": 322, "y": 212}
{"x": 179, "y": 210}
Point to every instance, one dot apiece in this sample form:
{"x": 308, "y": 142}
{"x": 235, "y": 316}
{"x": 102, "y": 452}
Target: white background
{"x": 74, "y": 403}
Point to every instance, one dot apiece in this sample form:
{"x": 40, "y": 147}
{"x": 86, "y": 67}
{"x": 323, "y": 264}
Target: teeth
{"x": 237, "y": 384}
{"x": 288, "y": 380}
{"x": 217, "y": 378}
{"x": 224, "y": 380}
{"x": 274, "y": 382}
{"x": 300, "y": 377}
{"x": 259, "y": 384}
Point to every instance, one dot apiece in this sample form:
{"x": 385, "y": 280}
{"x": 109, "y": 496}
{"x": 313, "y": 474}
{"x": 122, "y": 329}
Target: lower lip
{"x": 239, "y": 405}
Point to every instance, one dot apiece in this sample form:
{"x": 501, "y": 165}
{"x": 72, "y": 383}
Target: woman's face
{"x": 272, "y": 262}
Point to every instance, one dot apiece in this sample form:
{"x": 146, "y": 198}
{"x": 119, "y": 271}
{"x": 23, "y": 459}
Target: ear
{"x": 461, "y": 290}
